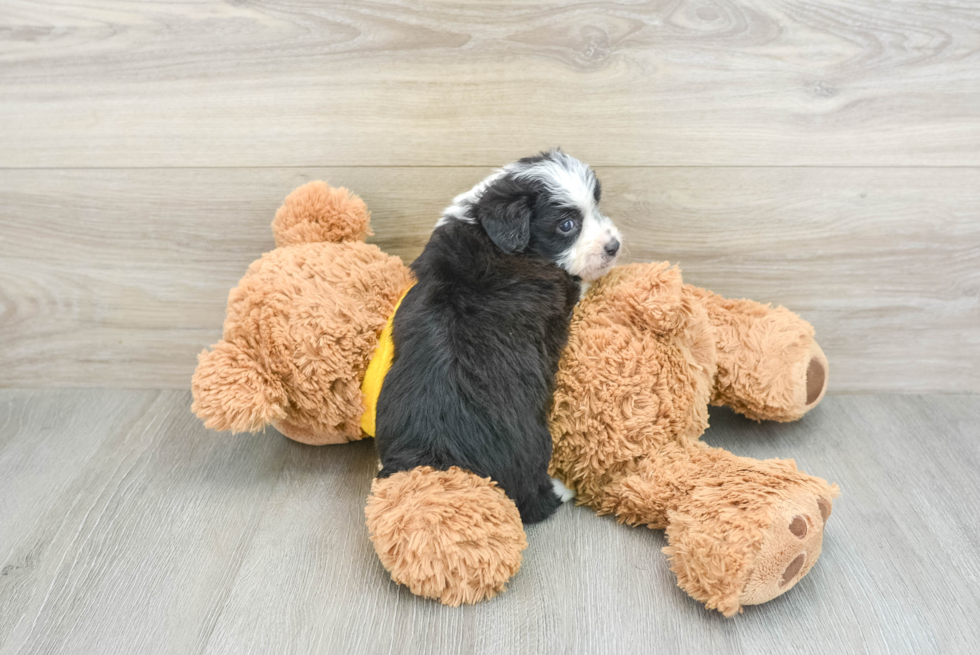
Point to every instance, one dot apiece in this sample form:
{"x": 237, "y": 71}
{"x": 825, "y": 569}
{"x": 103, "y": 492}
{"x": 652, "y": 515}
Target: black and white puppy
{"x": 478, "y": 338}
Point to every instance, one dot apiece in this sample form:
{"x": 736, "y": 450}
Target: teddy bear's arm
{"x": 770, "y": 367}
{"x": 233, "y": 391}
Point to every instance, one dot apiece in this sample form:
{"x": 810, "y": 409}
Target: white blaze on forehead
{"x": 569, "y": 181}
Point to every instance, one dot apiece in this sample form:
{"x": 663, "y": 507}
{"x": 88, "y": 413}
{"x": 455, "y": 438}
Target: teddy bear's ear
{"x": 232, "y": 392}
{"x": 317, "y": 212}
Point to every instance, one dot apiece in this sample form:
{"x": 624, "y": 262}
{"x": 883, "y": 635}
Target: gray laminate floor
{"x": 125, "y": 527}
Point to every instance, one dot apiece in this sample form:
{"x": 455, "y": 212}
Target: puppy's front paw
{"x": 564, "y": 493}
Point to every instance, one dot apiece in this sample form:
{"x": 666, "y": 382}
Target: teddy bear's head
{"x": 302, "y": 324}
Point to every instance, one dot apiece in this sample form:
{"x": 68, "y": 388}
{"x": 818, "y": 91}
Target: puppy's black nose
{"x": 612, "y": 248}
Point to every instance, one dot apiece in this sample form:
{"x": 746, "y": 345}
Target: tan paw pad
{"x": 817, "y": 372}
{"x": 793, "y": 568}
{"x": 825, "y": 508}
{"x": 798, "y": 527}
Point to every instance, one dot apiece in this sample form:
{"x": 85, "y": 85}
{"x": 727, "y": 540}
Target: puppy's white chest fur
{"x": 563, "y": 492}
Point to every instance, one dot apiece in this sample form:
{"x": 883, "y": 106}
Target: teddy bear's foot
{"x": 306, "y": 434}
{"x": 803, "y": 385}
{"x": 448, "y": 535}
{"x": 746, "y": 531}
{"x": 725, "y": 562}
{"x": 789, "y": 548}
{"x": 817, "y": 373}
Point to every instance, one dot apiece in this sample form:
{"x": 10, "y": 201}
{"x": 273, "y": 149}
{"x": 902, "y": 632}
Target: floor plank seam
{"x": 246, "y": 548}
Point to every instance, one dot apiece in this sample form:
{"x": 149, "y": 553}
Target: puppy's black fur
{"x": 477, "y": 342}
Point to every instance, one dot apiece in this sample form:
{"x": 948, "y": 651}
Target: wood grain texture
{"x": 400, "y": 82}
{"x": 114, "y": 512}
{"x": 129, "y": 528}
{"x": 120, "y": 277}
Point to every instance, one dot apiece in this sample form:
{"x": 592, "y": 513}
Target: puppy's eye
{"x": 567, "y": 226}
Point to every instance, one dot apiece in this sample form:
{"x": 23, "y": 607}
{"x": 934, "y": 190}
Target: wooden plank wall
{"x": 824, "y": 155}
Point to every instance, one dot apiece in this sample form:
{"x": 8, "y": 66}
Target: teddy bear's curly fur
{"x": 646, "y": 356}
{"x": 302, "y": 324}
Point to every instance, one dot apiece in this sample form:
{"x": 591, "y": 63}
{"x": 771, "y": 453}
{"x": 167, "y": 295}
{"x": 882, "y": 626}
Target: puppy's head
{"x": 545, "y": 206}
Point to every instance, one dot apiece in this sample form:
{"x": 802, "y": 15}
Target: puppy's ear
{"x": 505, "y": 215}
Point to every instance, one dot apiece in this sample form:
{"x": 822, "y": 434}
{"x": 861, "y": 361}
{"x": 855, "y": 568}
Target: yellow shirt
{"x": 377, "y": 369}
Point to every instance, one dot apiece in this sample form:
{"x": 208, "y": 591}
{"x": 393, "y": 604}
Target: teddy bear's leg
{"x": 449, "y": 535}
{"x": 741, "y": 531}
{"x": 769, "y": 365}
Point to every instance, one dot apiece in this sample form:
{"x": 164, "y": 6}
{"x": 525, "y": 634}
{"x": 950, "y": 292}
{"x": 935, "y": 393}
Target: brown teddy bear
{"x": 646, "y": 356}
